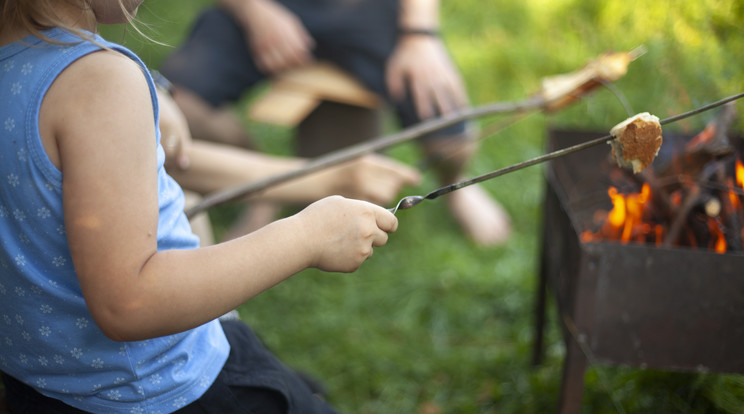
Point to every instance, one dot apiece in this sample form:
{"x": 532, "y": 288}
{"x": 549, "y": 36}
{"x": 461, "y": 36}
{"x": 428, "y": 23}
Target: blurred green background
{"x": 434, "y": 324}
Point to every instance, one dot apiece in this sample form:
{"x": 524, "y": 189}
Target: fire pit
{"x": 634, "y": 304}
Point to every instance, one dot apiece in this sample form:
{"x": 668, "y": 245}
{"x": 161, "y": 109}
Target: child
{"x": 106, "y": 303}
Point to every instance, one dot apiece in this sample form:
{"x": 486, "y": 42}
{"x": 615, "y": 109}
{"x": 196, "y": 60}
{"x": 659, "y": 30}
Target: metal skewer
{"x": 358, "y": 150}
{"x": 540, "y": 101}
{"x": 410, "y": 201}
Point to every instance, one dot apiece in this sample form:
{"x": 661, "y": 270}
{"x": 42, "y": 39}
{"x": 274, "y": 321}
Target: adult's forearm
{"x": 419, "y": 14}
{"x": 241, "y": 9}
{"x": 233, "y": 5}
{"x": 214, "y": 167}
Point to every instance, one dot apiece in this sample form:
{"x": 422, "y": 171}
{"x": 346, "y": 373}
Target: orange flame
{"x": 616, "y": 217}
{"x": 733, "y": 196}
{"x": 633, "y": 219}
{"x": 704, "y": 136}
{"x": 625, "y": 222}
{"x": 718, "y": 240}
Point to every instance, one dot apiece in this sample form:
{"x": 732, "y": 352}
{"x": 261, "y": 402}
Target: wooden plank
{"x": 328, "y": 82}
{"x": 281, "y": 106}
{"x": 295, "y": 93}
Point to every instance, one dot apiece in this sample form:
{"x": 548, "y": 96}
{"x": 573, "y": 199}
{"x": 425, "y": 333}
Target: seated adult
{"x": 391, "y": 46}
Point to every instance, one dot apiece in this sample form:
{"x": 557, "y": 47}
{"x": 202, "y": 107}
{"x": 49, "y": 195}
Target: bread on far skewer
{"x": 636, "y": 141}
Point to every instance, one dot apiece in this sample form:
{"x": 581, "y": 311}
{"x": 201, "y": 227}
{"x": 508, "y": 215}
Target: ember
{"x": 692, "y": 197}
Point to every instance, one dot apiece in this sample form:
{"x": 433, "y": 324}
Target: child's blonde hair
{"x": 38, "y": 15}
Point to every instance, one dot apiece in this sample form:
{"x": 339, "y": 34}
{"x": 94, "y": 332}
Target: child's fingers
{"x": 386, "y": 221}
{"x": 380, "y": 239}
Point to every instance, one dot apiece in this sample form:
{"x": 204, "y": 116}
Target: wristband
{"x": 422, "y": 32}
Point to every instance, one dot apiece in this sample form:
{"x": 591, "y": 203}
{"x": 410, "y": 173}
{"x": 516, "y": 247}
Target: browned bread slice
{"x": 637, "y": 141}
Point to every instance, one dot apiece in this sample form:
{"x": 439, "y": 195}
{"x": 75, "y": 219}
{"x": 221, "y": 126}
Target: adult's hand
{"x": 276, "y": 36}
{"x": 421, "y": 62}
{"x": 374, "y": 178}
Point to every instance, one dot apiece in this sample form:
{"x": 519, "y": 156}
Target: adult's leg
{"x": 482, "y": 218}
{"x": 217, "y": 124}
{"x": 209, "y": 72}
{"x": 212, "y": 70}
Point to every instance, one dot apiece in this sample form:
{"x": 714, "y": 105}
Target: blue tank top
{"x": 48, "y": 338}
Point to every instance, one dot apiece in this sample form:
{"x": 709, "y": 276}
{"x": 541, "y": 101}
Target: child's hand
{"x": 342, "y": 232}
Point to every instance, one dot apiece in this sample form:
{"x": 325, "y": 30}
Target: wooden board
{"x": 295, "y": 93}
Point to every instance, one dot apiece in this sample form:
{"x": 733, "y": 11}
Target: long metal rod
{"x": 355, "y": 151}
{"x": 565, "y": 151}
{"x": 364, "y": 148}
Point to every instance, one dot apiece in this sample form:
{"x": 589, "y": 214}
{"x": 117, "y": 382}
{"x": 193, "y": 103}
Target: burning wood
{"x": 693, "y": 196}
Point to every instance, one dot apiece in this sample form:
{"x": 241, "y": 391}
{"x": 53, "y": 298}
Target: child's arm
{"x": 97, "y": 126}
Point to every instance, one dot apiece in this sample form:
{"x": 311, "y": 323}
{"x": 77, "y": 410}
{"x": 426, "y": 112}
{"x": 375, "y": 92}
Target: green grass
{"x": 432, "y": 320}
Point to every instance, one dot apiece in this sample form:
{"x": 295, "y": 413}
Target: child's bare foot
{"x": 482, "y": 218}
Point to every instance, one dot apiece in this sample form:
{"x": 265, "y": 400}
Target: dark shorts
{"x": 253, "y": 381}
{"x": 357, "y": 35}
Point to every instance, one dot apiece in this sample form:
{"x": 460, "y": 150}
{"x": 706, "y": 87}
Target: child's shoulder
{"x": 97, "y": 92}
{"x": 103, "y": 75}
{"x": 107, "y": 67}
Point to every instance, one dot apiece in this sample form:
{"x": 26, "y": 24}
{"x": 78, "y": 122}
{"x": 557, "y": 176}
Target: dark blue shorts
{"x": 357, "y": 35}
{"x": 253, "y": 381}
